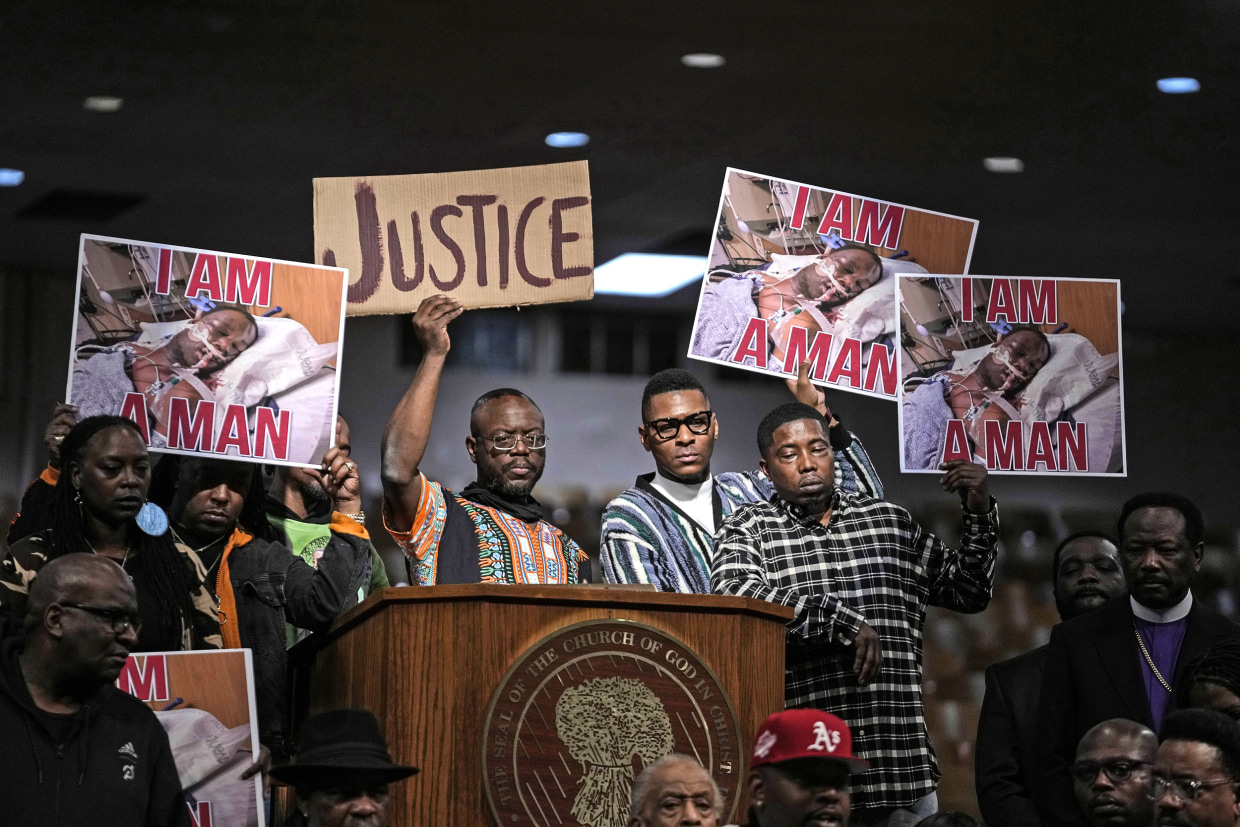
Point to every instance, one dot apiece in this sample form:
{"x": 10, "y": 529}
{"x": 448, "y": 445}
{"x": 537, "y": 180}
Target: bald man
{"x": 75, "y": 745}
{"x": 674, "y": 791}
{"x": 1112, "y": 776}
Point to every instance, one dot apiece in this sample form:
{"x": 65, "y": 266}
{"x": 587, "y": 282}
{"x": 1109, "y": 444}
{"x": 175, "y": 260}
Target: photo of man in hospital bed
{"x": 129, "y": 338}
{"x": 800, "y": 282}
{"x": 1059, "y": 381}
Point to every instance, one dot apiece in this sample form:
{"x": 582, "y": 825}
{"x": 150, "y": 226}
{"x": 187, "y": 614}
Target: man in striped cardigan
{"x": 661, "y": 531}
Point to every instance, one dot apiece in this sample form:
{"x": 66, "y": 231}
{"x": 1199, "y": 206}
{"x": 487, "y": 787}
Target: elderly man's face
{"x": 1214, "y": 804}
{"x": 679, "y": 794}
{"x": 1159, "y": 562}
{"x": 357, "y": 804}
{"x": 803, "y": 792}
{"x": 1089, "y": 576}
{"x": 1112, "y": 779}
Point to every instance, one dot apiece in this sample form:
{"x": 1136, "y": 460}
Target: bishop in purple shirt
{"x": 1125, "y": 660}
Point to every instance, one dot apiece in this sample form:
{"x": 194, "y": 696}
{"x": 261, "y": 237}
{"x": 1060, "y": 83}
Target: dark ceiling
{"x": 230, "y": 108}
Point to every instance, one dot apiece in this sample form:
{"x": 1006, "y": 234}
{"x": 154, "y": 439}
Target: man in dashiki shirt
{"x": 493, "y": 531}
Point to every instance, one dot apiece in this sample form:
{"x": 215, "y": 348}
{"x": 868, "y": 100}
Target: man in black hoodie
{"x": 73, "y": 747}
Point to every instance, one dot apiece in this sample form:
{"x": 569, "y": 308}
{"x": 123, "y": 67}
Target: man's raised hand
{"x": 430, "y": 322}
{"x": 970, "y": 480}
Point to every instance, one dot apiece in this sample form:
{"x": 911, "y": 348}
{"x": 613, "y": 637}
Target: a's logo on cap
{"x": 764, "y": 743}
{"x": 824, "y": 738}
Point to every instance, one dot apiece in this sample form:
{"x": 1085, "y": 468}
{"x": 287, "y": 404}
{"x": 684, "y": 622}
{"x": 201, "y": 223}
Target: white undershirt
{"x": 695, "y": 500}
{"x": 1170, "y": 615}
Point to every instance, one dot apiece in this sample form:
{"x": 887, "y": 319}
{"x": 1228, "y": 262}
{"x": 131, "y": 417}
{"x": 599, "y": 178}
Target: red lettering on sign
{"x": 838, "y": 217}
{"x": 753, "y": 343}
{"x": 233, "y": 432}
{"x": 272, "y": 432}
{"x": 134, "y": 407}
{"x": 798, "y": 212}
{"x": 163, "y": 277}
{"x": 819, "y": 354}
{"x": 190, "y": 432}
{"x": 956, "y": 443}
{"x": 249, "y": 282}
{"x": 205, "y": 278}
{"x": 145, "y": 677}
{"x": 879, "y": 224}
{"x": 880, "y": 372}
{"x": 847, "y": 364}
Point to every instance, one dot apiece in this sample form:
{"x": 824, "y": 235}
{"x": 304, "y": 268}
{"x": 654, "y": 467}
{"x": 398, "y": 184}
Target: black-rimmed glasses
{"x": 697, "y": 423}
{"x": 508, "y": 442}
{"x": 116, "y": 618}
{"x": 1084, "y": 772}
{"x": 1185, "y": 789}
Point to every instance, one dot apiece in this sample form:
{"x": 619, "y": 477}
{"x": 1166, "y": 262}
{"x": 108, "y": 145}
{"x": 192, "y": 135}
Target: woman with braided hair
{"x": 98, "y": 506}
{"x": 1213, "y": 680}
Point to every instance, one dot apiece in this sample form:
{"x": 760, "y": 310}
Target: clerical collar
{"x": 1177, "y": 612}
{"x": 680, "y": 490}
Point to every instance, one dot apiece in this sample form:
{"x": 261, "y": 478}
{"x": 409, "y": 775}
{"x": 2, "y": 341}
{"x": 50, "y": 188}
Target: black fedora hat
{"x": 340, "y": 742}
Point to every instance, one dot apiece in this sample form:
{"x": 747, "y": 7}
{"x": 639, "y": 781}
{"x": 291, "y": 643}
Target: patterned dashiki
{"x": 455, "y": 540}
{"x": 871, "y": 564}
{"x": 648, "y": 539}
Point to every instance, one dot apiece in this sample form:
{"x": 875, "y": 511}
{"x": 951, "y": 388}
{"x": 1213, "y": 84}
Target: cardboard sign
{"x": 210, "y": 353}
{"x": 205, "y": 702}
{"x": 1023, "y": 375}
{"x": 491, "y": 238}
{"x": 799, "y": 273}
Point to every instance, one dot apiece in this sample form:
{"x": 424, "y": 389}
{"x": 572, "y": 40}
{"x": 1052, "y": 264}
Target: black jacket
{"x": 114, "y": 766}
{"x": 1093, "y": 673}
{"x": 1007, "y": 735}
{"x": 272, "y": 585}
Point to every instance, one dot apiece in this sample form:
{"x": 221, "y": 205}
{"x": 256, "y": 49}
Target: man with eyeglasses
{"x": 1112, "y": 774}
{"x": 492, "y": 531}
{"x": 1127, "y": 659}
{"x": 74, "y": 749}
{"x": 1197, "y": 774}
{"x": 661, "y": 531}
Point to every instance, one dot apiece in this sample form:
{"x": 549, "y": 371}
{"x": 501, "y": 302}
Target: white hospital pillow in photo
{"x": 783, "y": 264}
{"x": 1075, "y": 370}
{"x": 210, "y": 758}
{"x": 284, "y": 355}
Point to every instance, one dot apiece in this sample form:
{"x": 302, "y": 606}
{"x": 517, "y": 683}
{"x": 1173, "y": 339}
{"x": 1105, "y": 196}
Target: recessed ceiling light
{"x": 1178, "y": 86}
{"x": 703, "y": 60}
{"x": 647, "y": 274}
{"x": 102, "y": 103}
{"x": 563, "y": 140}
{"x": 999, "y": 163}
{"x": 11, "y": 177}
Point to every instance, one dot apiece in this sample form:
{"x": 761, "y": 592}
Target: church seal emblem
{"x": 583, "y": 711}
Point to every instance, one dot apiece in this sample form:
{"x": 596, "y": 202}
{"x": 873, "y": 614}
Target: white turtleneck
{"x": 694, "y": 500}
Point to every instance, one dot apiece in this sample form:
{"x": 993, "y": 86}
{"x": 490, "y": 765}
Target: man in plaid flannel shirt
{"x": 860, "y": 573}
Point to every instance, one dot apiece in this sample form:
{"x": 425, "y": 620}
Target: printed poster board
{"x": 1022, "y": 375}
{"x": 210, "y": 353}
{"x": 205, "y": 702}
{"x": 778, "y": 292}
{"x": 491, "y": 238}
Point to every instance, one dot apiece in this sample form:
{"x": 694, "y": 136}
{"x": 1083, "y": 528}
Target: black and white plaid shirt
{"x": 872, "y": 564}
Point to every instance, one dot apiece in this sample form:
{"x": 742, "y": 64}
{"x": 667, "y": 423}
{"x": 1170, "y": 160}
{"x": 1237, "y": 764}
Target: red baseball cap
{"x": 804, "y": 733}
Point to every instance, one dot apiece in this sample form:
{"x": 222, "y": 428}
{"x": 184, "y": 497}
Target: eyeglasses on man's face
{"x": 1084, "y": 772}
{"x": 1184, "y": 789}
{"x": 118, "y": 619}
{"x": 697, "y": 423}
{"x": 507, "y": 442}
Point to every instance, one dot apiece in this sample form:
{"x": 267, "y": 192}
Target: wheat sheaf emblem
{"x": 604, "y": 723}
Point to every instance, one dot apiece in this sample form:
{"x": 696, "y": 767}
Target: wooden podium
{"x": 427, "y": 660}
